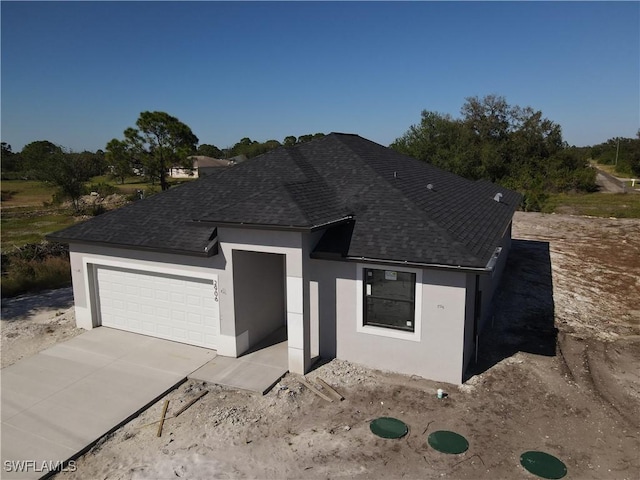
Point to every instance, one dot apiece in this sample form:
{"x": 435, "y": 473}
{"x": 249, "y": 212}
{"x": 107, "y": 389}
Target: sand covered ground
{"x": 557, "y": 371}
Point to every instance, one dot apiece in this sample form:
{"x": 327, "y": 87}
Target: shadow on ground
{"x": 20, "y": 307}
{"x": 274, "y": 338}
{"x": 523, "y": 309}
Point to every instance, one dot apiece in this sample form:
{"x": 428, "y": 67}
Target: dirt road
{"x": 610, "y": 184}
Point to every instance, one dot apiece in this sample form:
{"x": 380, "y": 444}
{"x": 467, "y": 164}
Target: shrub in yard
{"x": 39, "y": 251}
{"x": 25, "y": 276}
{"x": 97, "y": 209}
{"x": 35, "y": 267}
{"x": 6, "y": 195}
{"x": 533, "y": 200}
{"x": 103, "y": 189}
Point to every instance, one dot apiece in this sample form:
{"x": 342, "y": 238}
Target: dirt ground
{"x": 558, "y": 371}
{"x": 31, "y": 323}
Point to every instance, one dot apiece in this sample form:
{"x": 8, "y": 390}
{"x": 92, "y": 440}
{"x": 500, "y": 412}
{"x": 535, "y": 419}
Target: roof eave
{"x": 403, "y": 263}
{"x": 271, "y": 226}
{"x": 204, "y": 254}
{"x": 254, "y": 226}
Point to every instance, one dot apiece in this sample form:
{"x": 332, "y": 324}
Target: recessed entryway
{"x": 259, "y": 296}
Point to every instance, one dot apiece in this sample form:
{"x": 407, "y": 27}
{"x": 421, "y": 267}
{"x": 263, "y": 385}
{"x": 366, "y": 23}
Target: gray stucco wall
{"x": 489, "y": 284}
{"x": 437, "y": 353}
{"x": 469, "y": 320}
{"x": 321, "y": 299}
{"x": 259, "y": 294}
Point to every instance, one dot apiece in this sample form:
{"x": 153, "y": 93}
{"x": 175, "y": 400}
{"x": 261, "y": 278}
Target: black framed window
{"x": 389, "y": 299}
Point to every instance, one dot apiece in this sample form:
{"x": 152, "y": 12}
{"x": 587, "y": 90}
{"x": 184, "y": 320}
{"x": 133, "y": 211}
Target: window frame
{"x": 383, "y": 331}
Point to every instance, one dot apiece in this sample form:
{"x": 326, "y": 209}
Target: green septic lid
{"x": 543, "y": 464}
{"x": 387, "y": 427}
{"x": 448, "y": 442}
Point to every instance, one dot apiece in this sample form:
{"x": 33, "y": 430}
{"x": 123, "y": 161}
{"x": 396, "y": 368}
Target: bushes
{"x": 35, "y": 267}
{"x": 103, "y": 189}
{"x": 533, "y": 200}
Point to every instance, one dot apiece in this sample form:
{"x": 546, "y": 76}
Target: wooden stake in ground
{"x": 315, "y": 390}
{"x": 330, "y": 389}
{"x": 191, "y": 403}
{"x": 164, "y": 412}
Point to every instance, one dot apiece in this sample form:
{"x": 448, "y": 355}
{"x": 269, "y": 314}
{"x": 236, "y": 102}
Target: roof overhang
{"x": 404, "y": 263}
{"x": 269, "y": 226}
{"x": 212, "y": 248}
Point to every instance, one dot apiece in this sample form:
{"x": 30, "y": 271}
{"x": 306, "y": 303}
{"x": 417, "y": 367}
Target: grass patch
{"x": 131, "y": 184}
{"x": 619, "y": 205}
{"x": 611, "y": 170}
{"x": 25, "y": 193}
{"x": 30, "y": 226}
{"x": 35, "y": 275}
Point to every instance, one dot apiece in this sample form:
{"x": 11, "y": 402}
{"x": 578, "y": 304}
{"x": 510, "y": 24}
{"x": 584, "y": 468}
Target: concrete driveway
{"x": 57, "y": 403}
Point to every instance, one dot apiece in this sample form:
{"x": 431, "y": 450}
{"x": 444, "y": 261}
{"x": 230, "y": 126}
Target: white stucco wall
{"x": 231, "y": 342}
{"x": 293, "y": 246}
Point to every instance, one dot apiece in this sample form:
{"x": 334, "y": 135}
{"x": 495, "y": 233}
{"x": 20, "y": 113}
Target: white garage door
{"x": 176, "y": 308}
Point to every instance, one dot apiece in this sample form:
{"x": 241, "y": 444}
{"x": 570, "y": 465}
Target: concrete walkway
{"x": 56, "y": 404}
{"x": 257, "y": 370}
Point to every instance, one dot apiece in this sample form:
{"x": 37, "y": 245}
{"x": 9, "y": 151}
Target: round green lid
{"x": 448, "y": 442}
{"x": 387, "y": 427}
{"x": 543, "y": 464}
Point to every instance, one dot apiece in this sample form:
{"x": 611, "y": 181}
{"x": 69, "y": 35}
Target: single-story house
{"x": 360, "y": 252}
{"x": 202, "y": 166}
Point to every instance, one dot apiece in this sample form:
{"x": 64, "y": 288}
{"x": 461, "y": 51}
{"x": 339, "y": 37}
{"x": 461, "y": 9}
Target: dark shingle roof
{"x": 393, "y": 215}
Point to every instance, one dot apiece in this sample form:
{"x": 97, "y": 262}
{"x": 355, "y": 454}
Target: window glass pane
{"x": 390, "y": 298}
{"x": 390, "y": 313}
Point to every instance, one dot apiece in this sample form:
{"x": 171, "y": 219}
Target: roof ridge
{"x": 299, "y": 191}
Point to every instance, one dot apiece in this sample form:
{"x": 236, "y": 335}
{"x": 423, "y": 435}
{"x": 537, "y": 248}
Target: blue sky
{"x": 79, "y": 73}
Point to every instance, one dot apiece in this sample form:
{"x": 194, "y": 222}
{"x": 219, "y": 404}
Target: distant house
{"x": 202, "y": 166}
{"x": 356, "y": 251}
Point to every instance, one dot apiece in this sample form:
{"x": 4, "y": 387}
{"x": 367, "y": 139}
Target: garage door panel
{"x": 146, "y": 309}
{"x": 177, "y": 298}
{"x": 175, "y": 308}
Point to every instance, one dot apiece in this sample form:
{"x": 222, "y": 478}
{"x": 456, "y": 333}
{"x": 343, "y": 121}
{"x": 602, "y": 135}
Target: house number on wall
{"x": 441, "y": 307}
{"x": 215, "y": 290}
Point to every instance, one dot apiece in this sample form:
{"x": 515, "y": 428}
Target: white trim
{"x": 414, "y": 336}
{"x": 148, "y": 267}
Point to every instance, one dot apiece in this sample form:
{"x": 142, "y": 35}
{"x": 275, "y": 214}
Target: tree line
{"x": 161, "y": 141}
{"x": 508, "y": 144}
{"x": 514, "y": 146}
{"x": 158, "y": 142}
{"x": 623, "y": 153}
